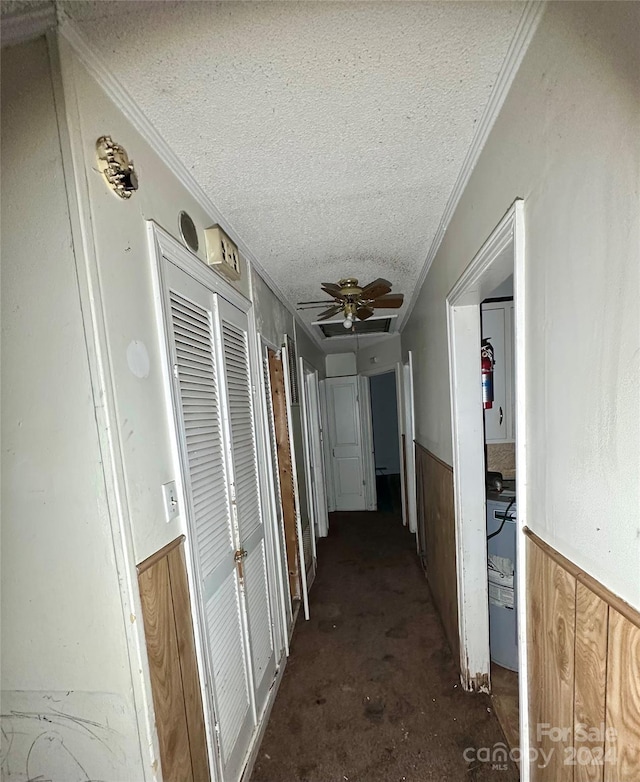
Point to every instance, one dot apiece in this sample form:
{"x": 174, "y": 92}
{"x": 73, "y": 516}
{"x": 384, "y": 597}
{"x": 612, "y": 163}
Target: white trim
{"x": 267, "y": 486}
{"x": 469, "y": 495}
{"x": 366, "y": 438}
{"x": 463, "y": 320}
{"x": 310, "y": 404}
{"x": 409, "y": 442}
{"x": 275, "y": 503}
{"x": 286, "y": 372}
{"x": 522, "y": 475}
{"x": 501, "y": 254}
{"x": 115, "y": 91}
{"x": 399, "y": 373}
{"x": 326, "y": 448}
{"x": 527, "y": 26}
{"x": 305, "y": 420}
{"x": 26, "y": 25}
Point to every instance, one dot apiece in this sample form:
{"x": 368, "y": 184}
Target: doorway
{"x": 386, "y": 444}
{"x": 501, "y": 256}
{"x": 347, "y": 442}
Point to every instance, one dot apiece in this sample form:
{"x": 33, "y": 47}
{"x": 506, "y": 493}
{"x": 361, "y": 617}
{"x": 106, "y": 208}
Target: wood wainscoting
{"x": 177, "y": 701}
{"x": 584, "y": 673}
{"x": 437, "y": 539}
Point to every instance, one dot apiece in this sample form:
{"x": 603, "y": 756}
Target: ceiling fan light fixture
{"x": 349, "y": 315}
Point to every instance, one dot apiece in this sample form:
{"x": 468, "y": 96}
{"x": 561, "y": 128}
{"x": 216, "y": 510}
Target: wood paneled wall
{"x": 177, "y": 702}
{"x": 436, "y": 532}
{"x": 584, "y": 674}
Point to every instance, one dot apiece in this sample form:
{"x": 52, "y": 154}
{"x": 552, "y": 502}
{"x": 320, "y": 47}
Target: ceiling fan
{"x": 355, "y": 302}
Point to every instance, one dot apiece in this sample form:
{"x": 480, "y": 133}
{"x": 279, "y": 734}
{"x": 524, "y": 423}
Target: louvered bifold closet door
{"x": 200, "y": 403}
{"x": 239, "y": 390}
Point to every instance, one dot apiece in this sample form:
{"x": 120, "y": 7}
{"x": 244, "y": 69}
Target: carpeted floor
{"x": 370, "y": 692}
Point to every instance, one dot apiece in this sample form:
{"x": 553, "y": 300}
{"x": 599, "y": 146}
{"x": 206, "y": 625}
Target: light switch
{"x": 170, "y": 497}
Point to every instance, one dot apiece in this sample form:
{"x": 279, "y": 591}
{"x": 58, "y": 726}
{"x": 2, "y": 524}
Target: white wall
{"x": 126, "y": 278}
{"x": 341, "y": 364}
{"x": 125, "y": 269}
{"x": 567, "y": 142}
{"x": 62, "y": 609}
{"x": 383, "y": 354}
{"x": 64, "y": 652}
{"x": 385, "y": 422}
{"x": 306, "y": 347}
{"x": 273, "y": 319}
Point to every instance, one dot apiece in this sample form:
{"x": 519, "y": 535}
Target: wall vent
{"x": 371, "y": 326}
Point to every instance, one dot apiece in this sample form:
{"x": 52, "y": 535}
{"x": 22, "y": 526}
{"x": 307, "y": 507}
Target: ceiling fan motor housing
{"x": 349, "y": 287}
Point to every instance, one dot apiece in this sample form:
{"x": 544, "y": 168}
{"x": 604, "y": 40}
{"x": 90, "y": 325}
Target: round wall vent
{"x": 188, "y": 232}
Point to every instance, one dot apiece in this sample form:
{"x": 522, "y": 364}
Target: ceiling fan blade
{"x": 329, "y": 313}
{"x": 305, "y": 303}
{"x": 392, "y": 301}
{"x": 376, "y": 288}
{"x": 364, "y": 312}
{"x": 331, "y": 288}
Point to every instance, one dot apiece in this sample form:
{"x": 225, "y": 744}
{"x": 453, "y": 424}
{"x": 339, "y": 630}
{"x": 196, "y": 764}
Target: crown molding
{"x": 525, "y": 31}
{"x": 28, "y": 24}
{"x": 117, "y": 93}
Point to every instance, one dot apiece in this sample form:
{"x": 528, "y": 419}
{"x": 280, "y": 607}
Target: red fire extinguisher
{"x": 487, "y": 364}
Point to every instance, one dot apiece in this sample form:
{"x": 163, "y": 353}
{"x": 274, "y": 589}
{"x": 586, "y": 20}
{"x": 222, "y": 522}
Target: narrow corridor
{"x": 370, "y": 691}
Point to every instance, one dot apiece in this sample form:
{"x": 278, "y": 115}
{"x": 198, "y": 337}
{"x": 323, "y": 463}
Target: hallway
{"x": 370, "y": 692}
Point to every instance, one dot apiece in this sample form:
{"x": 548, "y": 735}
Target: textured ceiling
{"x": 329, "y": 135}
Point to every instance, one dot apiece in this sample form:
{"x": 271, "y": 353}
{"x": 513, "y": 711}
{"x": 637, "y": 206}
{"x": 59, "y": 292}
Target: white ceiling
{"x": 329, "y": 134}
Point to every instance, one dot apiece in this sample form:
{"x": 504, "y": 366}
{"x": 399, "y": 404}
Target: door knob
{"x": 501, "y": 416}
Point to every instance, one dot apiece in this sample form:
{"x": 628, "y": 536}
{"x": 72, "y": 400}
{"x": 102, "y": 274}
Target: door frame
{"x": 164, "y": 248}
{"x": 314, "y": 452}
{"x": 397, "y": 371}
{"x": 503, "y": 253}
{"x": 409, "y": 443}
{"x": 365, "y": 434}
{"x": 366, "y": 438}
{"x": 326, "y": 446}
{"x": 273, "y": 492}
{"x": 285, "y": 353}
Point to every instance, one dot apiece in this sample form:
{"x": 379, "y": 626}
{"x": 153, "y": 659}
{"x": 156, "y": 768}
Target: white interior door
{"x": 304, "y": 535}
{"x": 326, "y": 446}
{"x": 345, "y": 437}
{"x": 213, "y": 406}
{"x": 276, "y": 496}
{"x": 245, "y": 495}
{"x": 313, "y": 448}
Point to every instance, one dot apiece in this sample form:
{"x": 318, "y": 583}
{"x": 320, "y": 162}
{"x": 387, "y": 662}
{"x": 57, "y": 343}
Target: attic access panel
{"x": 371, "y": 326}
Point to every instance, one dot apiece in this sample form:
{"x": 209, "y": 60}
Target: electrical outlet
{"x": 170, "y": 497}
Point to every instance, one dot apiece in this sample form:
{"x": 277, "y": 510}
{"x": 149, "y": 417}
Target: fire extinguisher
{"x": 487, "y": 364}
